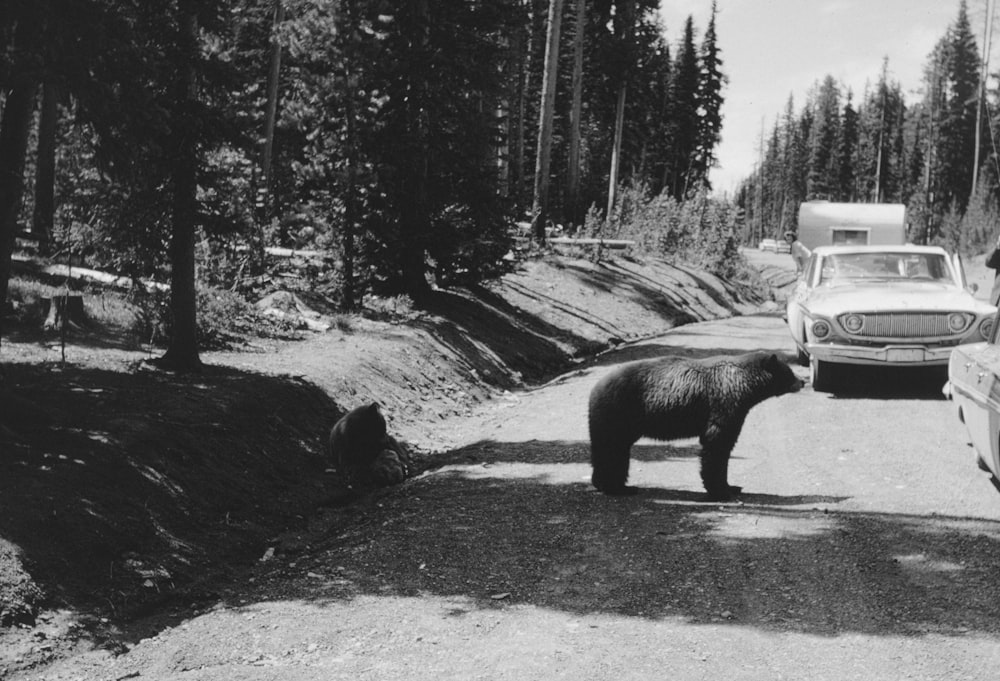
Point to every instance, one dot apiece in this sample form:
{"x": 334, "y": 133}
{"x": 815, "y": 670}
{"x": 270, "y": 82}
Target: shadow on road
{"x": 889, "y": 383}
{"x": 518, "y": 523}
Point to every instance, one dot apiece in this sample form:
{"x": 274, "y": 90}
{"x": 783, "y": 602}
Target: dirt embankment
{"x": 125, "y": 491}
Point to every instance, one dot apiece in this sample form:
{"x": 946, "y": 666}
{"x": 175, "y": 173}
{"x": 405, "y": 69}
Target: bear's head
{"x": 782, "y": 379}
{"x": 373, "y": 419}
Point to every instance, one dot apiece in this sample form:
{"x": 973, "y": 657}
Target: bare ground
{"x": 130, "y": 497}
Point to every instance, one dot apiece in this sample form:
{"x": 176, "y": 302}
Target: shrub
{"x": 702, "y": 231}
{"x": 389, "y": 308}
{"x": 107, "y": 309}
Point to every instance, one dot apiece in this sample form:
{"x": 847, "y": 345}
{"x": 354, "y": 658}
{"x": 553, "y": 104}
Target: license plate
{"x": 905, "y": 355}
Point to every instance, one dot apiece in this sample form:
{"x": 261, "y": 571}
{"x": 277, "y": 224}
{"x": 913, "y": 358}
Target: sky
{"x": 775, "y": 48}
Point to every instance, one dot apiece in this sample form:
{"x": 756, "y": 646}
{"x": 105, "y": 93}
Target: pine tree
{"x": 710, "y": 101}
{"x": 878, "y": 160}
{"x": 793, "y": 170}
{"x": 653, "y": 117}
{"x": 20, "y": 31}
{"x": 684, "y": 113}
{"x": 959, "y": 83}
{"x": 847, "y": 143}
{"x": 543, "y": 157}
{"x": 823, "y": 176}
{"x": 458, "y": 51}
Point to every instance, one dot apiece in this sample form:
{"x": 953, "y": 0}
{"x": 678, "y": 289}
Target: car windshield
{"x": 883, "y": 266}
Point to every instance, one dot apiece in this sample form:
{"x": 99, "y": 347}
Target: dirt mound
{"x": 144, "y": 482}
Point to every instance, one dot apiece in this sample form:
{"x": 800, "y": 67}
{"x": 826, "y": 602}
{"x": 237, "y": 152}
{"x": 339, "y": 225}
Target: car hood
{"x": 833, "y": 300}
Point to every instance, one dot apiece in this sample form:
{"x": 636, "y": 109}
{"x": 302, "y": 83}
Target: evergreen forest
{"x": 934, "y": 151}
{"x": 407, "y": 145}
{"x": 402, "y": 142}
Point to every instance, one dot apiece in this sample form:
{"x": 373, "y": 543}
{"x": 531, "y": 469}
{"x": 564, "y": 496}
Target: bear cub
{"x": 670, "y": 398}
{"x": 364, "y": 452}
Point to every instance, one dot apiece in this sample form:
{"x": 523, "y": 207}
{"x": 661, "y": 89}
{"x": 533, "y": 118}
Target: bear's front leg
{"x": 716, "y": 445}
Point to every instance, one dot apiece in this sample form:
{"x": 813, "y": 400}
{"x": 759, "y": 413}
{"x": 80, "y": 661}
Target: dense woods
{"x": 401, "y": 141}
{"x": 936, "y": 153}
{"x": 406, "y": 145}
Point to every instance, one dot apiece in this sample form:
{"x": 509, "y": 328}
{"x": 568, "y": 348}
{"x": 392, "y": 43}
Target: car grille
{"x": 905, "y": 325}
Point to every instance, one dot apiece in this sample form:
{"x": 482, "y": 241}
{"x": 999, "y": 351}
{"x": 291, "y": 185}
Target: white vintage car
{"x": 882, "y": 305}
{"x": 974, "y": 386}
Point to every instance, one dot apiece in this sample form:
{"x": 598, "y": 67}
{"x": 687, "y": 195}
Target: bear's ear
{"x": 773, "y": 361}
{"x": 373, "y": 408}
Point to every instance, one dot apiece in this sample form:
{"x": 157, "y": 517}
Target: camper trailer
{"x": 824, "y": 223}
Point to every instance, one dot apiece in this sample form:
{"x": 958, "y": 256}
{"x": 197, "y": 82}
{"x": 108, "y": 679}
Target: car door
{"x": 794, "y": 311}
{"x": 976, "y": 388}
{"x": 956, "y": 262}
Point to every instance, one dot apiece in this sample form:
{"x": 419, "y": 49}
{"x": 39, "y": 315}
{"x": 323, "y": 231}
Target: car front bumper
{"x": 895, "y": 355}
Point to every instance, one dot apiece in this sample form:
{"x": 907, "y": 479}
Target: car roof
{"x": 882, "y": 248}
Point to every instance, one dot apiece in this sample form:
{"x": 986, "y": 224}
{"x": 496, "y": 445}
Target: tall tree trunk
{"x": 983, "y": 72}
{"x": 576, "y": 109}
{"x": 625, "y": 35}
{"x": 45, "y": 169}
{"x": 881, "y": 151}
{"x": 417, "y": 214}
{"x": 14, "y": 129}
{"x": 517, "y": 111}
{"x": 271, "y": 112}
{"x": 616, "y": 148}
{"x": 543, "y": 155}
{"x": 350, "y": 200}
{"x": 182, "y": 351}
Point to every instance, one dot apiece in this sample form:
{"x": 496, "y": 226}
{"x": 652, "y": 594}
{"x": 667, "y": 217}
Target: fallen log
{"x": 279, "y": 252}
{"x": 288, "y": 307}
{"x": 24, "y": 265}
{"x": 572, "y": 241}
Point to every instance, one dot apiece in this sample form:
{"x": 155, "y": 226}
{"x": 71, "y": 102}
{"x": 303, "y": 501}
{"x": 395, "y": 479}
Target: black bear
{"x": 674, "y": 397}
{"x": 363, "y": 450}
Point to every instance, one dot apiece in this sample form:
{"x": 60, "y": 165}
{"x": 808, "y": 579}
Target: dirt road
{"x": 865, "y": 546}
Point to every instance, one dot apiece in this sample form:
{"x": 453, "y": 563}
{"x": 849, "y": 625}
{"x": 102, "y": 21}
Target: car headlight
{"x": 957, "y": 322}
{"x": 821, "y": 329}
{"x": 853, "y": 323}
{"x": 986, "y": 328}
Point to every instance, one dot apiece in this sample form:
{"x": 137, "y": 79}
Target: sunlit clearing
{"x": 541, "y": 473}
{"x": 920, "y": 561}
{"x": 765, "y": 526}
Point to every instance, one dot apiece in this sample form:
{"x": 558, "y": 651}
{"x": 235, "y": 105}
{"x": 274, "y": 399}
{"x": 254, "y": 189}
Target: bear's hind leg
{"x": 714, "y": 471}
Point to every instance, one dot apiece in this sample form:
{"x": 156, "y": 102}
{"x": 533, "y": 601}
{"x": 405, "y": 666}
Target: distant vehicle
{"x": 783, "y": 247}
{"x": 768, "y": 245}
{"x": 898, "y": 305}
{"x": 974, "y": 386}
{"x": 825, "y": 223}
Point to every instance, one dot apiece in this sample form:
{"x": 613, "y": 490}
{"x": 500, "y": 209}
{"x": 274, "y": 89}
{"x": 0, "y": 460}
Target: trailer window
{"x": 850, "y": 237}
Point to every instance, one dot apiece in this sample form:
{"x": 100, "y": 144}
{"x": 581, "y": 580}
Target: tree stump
{"x": 68, "y": 308}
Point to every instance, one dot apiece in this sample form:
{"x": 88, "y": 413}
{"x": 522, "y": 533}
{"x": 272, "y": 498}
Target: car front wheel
{"x": 819, "y": 374}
